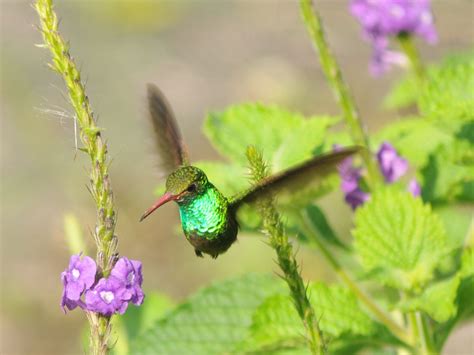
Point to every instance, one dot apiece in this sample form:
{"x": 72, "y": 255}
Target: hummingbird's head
{"x": 185, "y": 183}
{"x": 182, "y": 185}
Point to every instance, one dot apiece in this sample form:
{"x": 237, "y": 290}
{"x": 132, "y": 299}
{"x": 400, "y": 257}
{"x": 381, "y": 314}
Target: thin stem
{"x": 410, "y": 50}
{"x": 307, "y": 228}
{"x": 423, "y": 335}
{"x": 333, "y": 75}
{"x": 273, "y": 226}
{"x": 96, "y": 148}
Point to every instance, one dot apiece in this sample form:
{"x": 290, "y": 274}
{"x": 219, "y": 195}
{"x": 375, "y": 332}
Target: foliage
{"x": 399, "y": 238}
{"x": 213, "y": 321}
{"x": 411, "y": 248}
{"x": 411, "y": 245}
{"x": 415, "y": 254}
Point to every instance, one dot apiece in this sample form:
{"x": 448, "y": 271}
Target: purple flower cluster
{"x": 106, "y": 296}
{"x": 382, "y": 19}
{"x": 392, "y": 167}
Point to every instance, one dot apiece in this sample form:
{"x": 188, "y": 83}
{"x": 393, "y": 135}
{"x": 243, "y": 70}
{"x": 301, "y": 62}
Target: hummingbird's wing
{"x": 294, "y": 178}
{"x": 169, "y": 141}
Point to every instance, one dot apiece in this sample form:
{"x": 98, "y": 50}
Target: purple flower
{"x": 130, "y": 273}
{"x": 383, "y": 59}
{"x": 350, "y": 178}
{"x": 391, "y": 164}
{"x": 109, "y": 296}
{"x": 382, "y": 19}
{"x": 414, "y": 187}
{"x": 77, "y": 278}
{"x": 356, "y": 198}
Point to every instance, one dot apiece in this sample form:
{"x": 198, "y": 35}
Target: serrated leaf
{"x": 447, "y": 93}
{"x": 437, "y": 300}
{"x": 302, "y": 142}
{"x": 400, "y": 238}
{"x": 277, "y": 324}
{"x": 338, "y": 311}
{"x": 213, "y": 321}
{"x": 239, "y": 126}
{"x": 267, "y": 128}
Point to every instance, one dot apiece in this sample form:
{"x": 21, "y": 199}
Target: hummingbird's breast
{"x": 206, "y": 215}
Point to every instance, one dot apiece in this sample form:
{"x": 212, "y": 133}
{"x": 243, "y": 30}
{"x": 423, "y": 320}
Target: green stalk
{"x": 96, "y": 148}
{"x": 410, "y": 50}
{"x": 307, "y": 228}
{"x": 333, "y": 75}
{"x": 273, "y": 226}
{"x": 421, "y": 333}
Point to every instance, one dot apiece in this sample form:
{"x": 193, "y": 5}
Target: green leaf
{"x": 213, "y": 321}
{"x": 138, "y": 319}
{"x": 447, "y": 94}
{"x": 276, "y": 324}
{"x": 267, "y": 128}
{"x": 438, "y": 300}
{"x": 449, "y": 174}
{"x": 302, "y": 142}
{"x": 457, "y": 220}
{"x": 400, "y": 238}
{"x": 239, "y": 126}
{"x": 465, "y": 306}
{"x": 338, "y": 311}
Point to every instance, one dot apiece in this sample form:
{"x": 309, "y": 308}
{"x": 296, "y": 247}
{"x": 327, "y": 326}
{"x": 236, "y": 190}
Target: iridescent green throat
{"x": 204, "y": 215}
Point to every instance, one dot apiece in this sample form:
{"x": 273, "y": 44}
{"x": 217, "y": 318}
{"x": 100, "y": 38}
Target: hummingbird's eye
{"x": 191, "y": 188}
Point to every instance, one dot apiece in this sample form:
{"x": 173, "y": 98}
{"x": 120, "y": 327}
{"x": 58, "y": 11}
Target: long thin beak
{"x": 167, "y": 197}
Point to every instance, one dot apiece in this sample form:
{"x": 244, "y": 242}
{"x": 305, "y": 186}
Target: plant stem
{"x": 307, "y": 228}
{"x": 421, "y": 333}
{"x": 273, "y": 226}
{"x": 410, "y": 50}
{"x": 333, "y": 75}
{"x": 96, "y": 148}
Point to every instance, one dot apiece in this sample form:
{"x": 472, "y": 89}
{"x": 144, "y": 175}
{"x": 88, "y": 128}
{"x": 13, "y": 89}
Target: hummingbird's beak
{"x": 167, "y": 197}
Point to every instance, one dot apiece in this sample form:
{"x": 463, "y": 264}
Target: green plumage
{"x": 208, "y": 218}
{"x": 205, "y": 215}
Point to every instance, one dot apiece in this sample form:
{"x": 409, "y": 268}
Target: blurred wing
{"x": 294, "y": 178}
{"x": 169, "y": 141}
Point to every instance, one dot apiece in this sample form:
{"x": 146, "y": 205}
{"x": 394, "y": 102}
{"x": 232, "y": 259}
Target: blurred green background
{"x": 204, "y": 55}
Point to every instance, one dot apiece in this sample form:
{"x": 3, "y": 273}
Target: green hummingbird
{"x": 208, "y": 217}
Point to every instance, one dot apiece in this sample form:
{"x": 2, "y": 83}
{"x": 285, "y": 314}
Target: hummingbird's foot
{"x": 198, "y": 253}
{"x": 214, "y": 256}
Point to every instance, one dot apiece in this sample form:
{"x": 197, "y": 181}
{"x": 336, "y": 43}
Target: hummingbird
{"x": 208, "y": 218}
